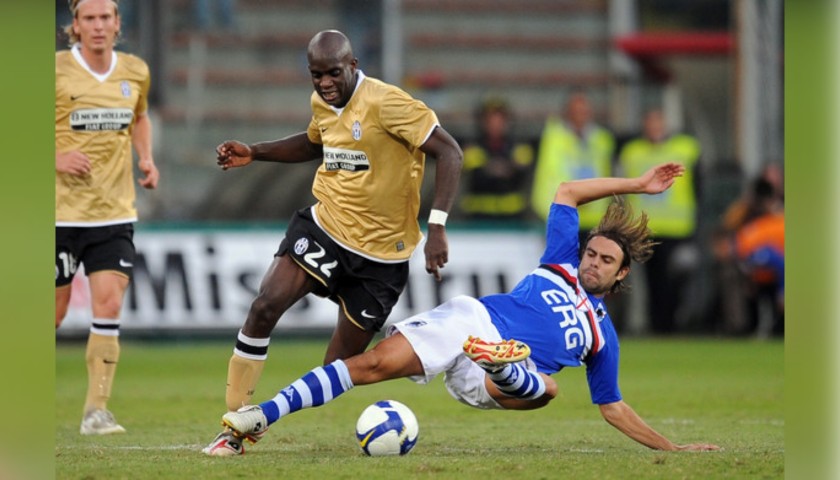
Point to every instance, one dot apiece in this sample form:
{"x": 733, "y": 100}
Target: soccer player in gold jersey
{"x": 100, "y": 112}
{"x": 354, "y": 244}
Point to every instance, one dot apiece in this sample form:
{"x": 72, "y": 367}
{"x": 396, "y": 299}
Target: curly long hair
{"x": 630, "y": 232}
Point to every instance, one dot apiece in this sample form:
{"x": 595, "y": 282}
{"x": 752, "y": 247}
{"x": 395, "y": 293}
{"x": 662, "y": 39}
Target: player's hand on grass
{"x": 232, "y": 154}
{"x": 73, "y": 163}
{"x": 436, "y": 250}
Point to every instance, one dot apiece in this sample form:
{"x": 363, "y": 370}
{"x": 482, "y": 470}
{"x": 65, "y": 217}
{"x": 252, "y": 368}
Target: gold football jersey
{"x": 95, "y": 115}
{"x": 368, "y": 185}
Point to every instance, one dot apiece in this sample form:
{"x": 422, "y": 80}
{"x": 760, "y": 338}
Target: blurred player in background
{"x": 354, "y": 244}
{"x": 100, "y": 112}
{"x": 556, "y": 314}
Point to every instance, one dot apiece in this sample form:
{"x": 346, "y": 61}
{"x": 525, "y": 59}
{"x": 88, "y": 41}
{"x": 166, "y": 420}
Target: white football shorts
{"x": 438, "y": 336}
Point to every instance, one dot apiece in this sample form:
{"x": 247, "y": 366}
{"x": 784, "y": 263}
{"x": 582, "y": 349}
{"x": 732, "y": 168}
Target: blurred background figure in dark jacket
{"x": 497, "y": 166}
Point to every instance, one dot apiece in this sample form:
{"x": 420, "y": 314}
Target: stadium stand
{"x": 252, "y": 84}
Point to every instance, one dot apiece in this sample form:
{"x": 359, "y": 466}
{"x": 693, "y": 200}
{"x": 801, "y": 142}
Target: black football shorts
{"x": 97, "y": 248}
{"x": 367, "y": 290}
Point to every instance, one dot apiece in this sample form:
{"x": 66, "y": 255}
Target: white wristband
{"x": 438, "y": 217}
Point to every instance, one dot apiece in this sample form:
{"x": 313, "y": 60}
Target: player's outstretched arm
{"x": 624, "y": 418}
{"x": 295, "y": 148}
{"x": 655, "y": 180}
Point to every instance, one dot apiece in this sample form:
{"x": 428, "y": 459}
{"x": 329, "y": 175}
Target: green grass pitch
{"x": 170, "y": 394}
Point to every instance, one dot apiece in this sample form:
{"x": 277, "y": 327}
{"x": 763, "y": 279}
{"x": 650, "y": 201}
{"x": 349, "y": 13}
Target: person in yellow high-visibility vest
{"x": 673, "y": 213}
{"x": 497, "y": 166}
{"x": 573, "y": 148}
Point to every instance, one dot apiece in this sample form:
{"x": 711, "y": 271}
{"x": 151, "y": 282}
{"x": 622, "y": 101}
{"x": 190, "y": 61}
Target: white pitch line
{"x": 586, "y": 450}
{"x": 131, "y": 447}
{"x": 776, "y": 422}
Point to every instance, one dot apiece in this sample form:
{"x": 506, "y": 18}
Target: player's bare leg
{"x": 347, "y": 340}
{"x": 282, "y": 286}
{"x": 103, "y": 351}
{"x": 391, "y": 358}
{"x": 62, "y": 303}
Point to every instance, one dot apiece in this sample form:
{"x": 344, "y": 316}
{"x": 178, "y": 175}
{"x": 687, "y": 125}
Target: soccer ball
{"x": 387, "y": 428}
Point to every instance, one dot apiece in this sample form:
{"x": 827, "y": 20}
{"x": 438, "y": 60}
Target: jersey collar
{"x": 77, "y": 54}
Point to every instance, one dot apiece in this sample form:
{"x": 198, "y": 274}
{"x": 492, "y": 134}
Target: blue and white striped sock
{"x": 316, "y": 388}
{"x": 514, "y": 380}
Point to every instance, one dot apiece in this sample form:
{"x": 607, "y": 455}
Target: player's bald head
{"x": 329, "y": 45}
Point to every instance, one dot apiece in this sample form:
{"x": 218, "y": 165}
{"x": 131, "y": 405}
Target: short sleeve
{"x": 143, "y": 101}
{"x": 144, "y": 82}
{"x": 313, "y": 133}
{"x": 406, "y": 117}
{"x": 562, "y": 236}
{"x": 602, "y": 375}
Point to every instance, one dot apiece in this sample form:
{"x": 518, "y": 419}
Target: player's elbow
{"x": 458, "y": 156}
{"x": 550, "y": 388}
{"x": 612, "y": 412}
{"x": 565, "y": 194}
{"x": 454, "y": 157}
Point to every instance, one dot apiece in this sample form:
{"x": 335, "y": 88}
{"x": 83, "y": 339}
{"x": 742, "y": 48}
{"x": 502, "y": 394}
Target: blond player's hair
{"x": 74, "y": 9}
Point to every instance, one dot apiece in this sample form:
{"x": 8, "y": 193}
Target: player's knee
{"x": 264, "y": 313}
{"x": 369, "y": 367}
{"x": 62, "y": 304}
{"x": 550, "y": 388}
{"x": 109, "y": 307}
{"x": 60, "y": 313}
{"x": 362, "y": 367}
{"x": 376, "y": 364}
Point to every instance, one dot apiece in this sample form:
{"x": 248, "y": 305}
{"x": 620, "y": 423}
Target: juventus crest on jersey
{"x": 95, "y": 114}
{"x": 368, "y": 185}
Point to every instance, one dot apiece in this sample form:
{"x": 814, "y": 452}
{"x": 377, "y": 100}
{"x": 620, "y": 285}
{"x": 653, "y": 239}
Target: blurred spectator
{"x": 760, "y": 250}
{"x": 673, "y": 215}
{"x": 570, "y": 149}
{"x": 361, "y": 21}
{"x": 63, "y": 18}
{"x": 746, "y": 208}
{"x": 128, "y": 18}
{"x": 223, "y": 11}
{"x": 749, "y": 247}
{"x": 497, "y": 167}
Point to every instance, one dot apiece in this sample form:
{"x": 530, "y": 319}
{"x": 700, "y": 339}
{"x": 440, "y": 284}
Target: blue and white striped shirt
{"x": 550, "y": 311}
